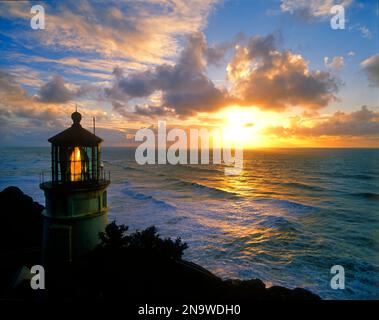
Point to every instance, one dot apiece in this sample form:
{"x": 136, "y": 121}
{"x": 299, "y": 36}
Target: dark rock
{"x": 281, "y": 293}
{"x": 245, "y": 289}
{"x": 21, "y": 220}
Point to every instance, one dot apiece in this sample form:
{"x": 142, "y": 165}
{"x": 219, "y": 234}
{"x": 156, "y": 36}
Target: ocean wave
{"x": 144, "y": 197}
{"x": 287, "y": 204}
{"x": 112, "y": 161}
{"x": 302, "y": 186}
{"x": 366, "y": 195}
{"x": 364, "y": 176}
{"x": 119, "y": 163}
{"x": 130, "y": 168}
{"x": 202, "y": 168}
{"x": 200, "y": 187}
{"x": 280, "y": 224}
{"x": 354, "y": 176}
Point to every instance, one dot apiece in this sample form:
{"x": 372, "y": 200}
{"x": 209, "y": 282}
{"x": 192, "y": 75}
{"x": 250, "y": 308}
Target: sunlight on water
{"x": 287, "y": 219}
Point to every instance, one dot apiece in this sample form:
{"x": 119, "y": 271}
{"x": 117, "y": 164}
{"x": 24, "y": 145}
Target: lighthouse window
{"x": 76, "y": 165}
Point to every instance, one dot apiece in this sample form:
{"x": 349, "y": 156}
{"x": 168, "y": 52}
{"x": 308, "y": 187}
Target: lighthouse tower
{"x": 76, "y": 197}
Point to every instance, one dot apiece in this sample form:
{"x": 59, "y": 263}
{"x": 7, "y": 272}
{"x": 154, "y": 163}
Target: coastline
{"x": 146, "y": 276}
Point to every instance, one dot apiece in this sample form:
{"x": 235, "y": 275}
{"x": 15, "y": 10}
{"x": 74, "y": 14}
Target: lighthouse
{"x": 76, "y": 196}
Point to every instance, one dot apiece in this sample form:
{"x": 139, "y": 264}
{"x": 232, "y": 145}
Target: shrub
{"x": 147, "y": 242}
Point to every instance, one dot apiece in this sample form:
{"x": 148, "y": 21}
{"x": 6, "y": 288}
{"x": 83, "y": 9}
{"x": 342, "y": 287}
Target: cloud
{"x": 371, "y": 68}
{"x": 143, "y": 31}
{"x": 185, "y": 87}
{"x": 140, "y": 41}
{"x": 19, "y": 109}
{"x": 311, "y": 10}
{"x": 15, "y": 102}
{"x": 261, "y": 76}
{"x": 55, "y": 91}
{"x": 87, "y": 41}
{"x": 97, "y": 70}
{"x": 19, "y": 135}
{"x": 366, "y": 33}
{"x": 276, "y": 80}
{"x": 363, "y": 122}
{"x": 150, "y": 111}
{"x": 215, "y": 53}
{"x": 364, "y": 30}
{"x": 336, "y": 63}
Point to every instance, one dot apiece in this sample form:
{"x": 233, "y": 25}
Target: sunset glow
{"x": 262, "y": 89}
{"x": 189, "y": 157}
{"x": 246, "y": 126}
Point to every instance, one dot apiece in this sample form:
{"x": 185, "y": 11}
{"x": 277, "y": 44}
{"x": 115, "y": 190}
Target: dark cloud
{"x": 371, "y": 68}
{"x": 363, "y": 122}
{"x": 215, "y": 53}
{"x": 184, "y": 86}
{"x": 55, "y": 91}
{"x": 274, "y": 80}
{"x": 261, "y": 75}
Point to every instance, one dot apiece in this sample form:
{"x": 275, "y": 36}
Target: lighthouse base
{"x": 65, "y": 240}
{"x": 75, "y": 214}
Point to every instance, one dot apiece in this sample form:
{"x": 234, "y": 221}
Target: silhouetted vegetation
{"x": 147, "y": 242}
{"x": 139, "y": 264}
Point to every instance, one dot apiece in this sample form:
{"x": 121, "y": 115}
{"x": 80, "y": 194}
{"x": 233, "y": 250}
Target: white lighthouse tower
{"x": 76, "y": 197}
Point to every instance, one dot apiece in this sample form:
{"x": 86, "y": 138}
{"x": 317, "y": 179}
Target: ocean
{"x": 286, "y": 219}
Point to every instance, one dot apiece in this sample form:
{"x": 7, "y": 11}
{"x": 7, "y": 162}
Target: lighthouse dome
{"x": 76, "y": 117}
{"x": 76, "y": 135}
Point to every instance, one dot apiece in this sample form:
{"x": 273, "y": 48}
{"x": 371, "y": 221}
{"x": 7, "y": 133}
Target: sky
{"x": 270, "y": 73}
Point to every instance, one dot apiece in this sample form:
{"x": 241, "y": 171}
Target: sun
{"x": 243, "y": 127}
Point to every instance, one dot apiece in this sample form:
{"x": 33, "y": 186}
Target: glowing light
{"x": 76, "y": 165}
